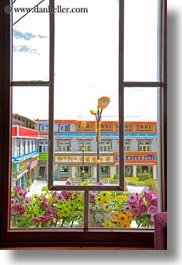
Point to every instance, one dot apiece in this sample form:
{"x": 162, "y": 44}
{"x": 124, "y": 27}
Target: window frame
{"x": 86, "y": 237}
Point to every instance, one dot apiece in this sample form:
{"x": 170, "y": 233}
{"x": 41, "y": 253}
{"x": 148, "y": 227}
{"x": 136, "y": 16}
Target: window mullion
{"x": 86, "y": 208}
{"x": 51, "y": 94}
{"x": 121, "y": 93}
{"x": 30, "y": 83}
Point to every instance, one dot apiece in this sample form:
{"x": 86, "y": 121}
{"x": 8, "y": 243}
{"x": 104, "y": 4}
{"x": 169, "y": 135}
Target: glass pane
{"x": 32, "y": 204}
{"x": 86, "y": 78}
{"x": 30, "y": 41}
{"x": 29, "y": 104}
{"x": 141, "y": 40}
{"x": 142, "y": 163}
{"x": 136, "y": 206}
{"x": 122, "y": 209}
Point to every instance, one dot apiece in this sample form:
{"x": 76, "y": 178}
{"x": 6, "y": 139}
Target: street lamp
{"x": 102, "y": 104}
{"x": 83, "y": 126}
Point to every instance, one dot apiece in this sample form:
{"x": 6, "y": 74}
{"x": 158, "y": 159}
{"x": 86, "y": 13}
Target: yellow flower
{"x": 116, "y": 217}
{"x": 123, "y": 218}
{"x": 107, "y": 224}
{"x": 98, "y": 200}
{"x": 126, "y": 225}
{"x": 122, "y": 197}
{"x": 106, "y": 207}
{"x": 102, "y": 198}
{"x": 129, "y": 216}
{"x": 105, "y": 194}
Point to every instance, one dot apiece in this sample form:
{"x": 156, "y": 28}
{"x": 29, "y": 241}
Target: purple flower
{"x": 17, "y": 188}
{"x": 68, "y": 182}
{"x": 100, "y": 183}
{"x": 13, "y": 209}
{"x": 132, "y": 199}
{"x": 20, "y": 194}
{"x": 59, "y": 197}
{"x": 50, "y": 212}
{"x": 18, "y": 209}
{"x": 154, "y": 202}
{"x": 151, "y": 221}
{"x": 152, "y": 210}
{"x": 26, "y": 200}
{"x": 66, "y": 194}
{"x": 44, "y": 219}
{"x": 135, "y": 211}
{"x": 35, "y": 220}
{"x": 147, "y": 195}
{"x": 143, "y": 207}
{"x": 13, "y": 200}
{"x": 44, "y": 203}
{"x": 127, "y": 209}
{"x": 93, "y": 194}
{"x": 54, "y": 194}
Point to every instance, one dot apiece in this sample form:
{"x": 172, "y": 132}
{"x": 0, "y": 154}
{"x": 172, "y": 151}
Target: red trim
{"x": 22, "y": 131}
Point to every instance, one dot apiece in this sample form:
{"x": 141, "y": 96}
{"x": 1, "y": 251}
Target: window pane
{"x": 122, "y": 209}
{"x": 32, "y": 205}
{"x": 136, "y": 206}
{"x": 86, "y": 69}
{"x": 28, "y": 168}
{"x": 141, "y": 43}
{"x": 30, "y": 41}
{"x": 142, "y": 159}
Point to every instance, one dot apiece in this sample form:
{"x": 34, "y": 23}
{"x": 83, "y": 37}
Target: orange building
{"x": 70, "y": 136}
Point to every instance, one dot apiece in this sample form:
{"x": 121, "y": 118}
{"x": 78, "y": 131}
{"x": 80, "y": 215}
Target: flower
{"x": 132, "y": 199}
{"x": 107, "y": 209}
{"x": 152, "y": 210}
{"x": 93, "y": 194}
{"x": 47, "y": 209}
{"x": 110, "y": 209}
{"x": 99, "y": 183}
{"x": 68, "y": 182}
{"x": 143, "y": 208}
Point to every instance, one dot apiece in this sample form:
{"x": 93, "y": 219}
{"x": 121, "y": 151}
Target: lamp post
{"x": 102, "y": 104}
{"x": 83, "y": 126}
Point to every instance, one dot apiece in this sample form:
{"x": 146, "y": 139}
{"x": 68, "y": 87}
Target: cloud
{"x": 26, "y": 36}
{"x": 24, "y": 48}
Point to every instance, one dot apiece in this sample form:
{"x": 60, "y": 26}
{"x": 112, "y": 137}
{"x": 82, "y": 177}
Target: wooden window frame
{"x": 82, "y": 237}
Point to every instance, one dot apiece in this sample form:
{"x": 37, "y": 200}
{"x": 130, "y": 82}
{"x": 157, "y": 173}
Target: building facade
{"x": 75, "y": 149}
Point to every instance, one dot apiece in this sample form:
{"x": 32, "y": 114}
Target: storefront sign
{"x": 137, "y": 157}
{"x": 79, "y": 159}
{"x": 13, "y": 168}
{"x": 21, "y": 166}
{"x": 43, "y": 156}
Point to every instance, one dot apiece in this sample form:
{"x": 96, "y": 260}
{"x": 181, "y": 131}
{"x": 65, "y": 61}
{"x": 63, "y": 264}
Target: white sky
{"x": 86, "y": 59}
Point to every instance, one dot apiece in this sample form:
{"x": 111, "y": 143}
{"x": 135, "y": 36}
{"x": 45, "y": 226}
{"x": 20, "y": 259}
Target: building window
{"x": 105, "y": 171}
{"x": 105, "y": 145}
{"x": 63, "y": 145}
{"x": 86, "y": 144}
{"x": 43, "y": 128}
{"x": 64, "y": 170}
{"x": 127, "y": 144}
{"x": 128, "y": 171}
{"x": 43, "y": 146}
{"x": 63, "y": 128}
{"x": 144, "y": 145}
{"x": 128, "y": 128}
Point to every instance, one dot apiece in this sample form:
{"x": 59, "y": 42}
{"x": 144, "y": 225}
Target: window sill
{"x": 79, "y": 238}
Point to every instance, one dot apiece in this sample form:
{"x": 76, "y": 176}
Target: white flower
{"x": 106, "y": 216}
{"x": 98, "y": 217}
